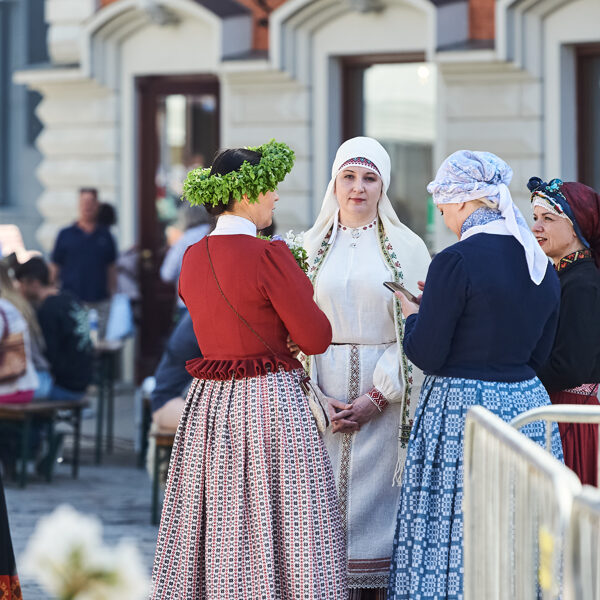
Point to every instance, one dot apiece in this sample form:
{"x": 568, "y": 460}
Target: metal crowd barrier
{"x": 558, "y": 413}
{"x": 582, "y": 567}
{"x": 517, "y": 510}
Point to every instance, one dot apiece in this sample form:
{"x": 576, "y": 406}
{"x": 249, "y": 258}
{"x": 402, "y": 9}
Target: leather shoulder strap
{"x": 231, "y": 306}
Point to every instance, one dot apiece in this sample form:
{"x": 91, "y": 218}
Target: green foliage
{"x": 294, "y": 243}
{"x": 276, "y": 162}
{"x": 301, "y": 256}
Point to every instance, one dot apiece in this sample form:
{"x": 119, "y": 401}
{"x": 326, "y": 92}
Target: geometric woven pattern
{"x": 250, "y": 510}
{"x": 427, "y": 561}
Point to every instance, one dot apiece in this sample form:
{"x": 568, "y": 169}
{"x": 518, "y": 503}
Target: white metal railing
{"x": 559, "y": 413}
{"x": 582, "y": 566}
{"x": 517, "y": 510}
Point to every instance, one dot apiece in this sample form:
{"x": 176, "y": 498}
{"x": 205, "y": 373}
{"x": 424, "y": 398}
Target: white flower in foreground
{"x": 60, "y": 539}
{"x": 125, "y": 576}
{"x": 66, "y": 556}
{"x": 294, "y": 240}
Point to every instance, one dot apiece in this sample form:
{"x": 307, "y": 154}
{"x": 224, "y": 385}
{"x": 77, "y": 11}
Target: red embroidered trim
{"x": 585, "y": 389}
{"x": 378, "y": 399}
{"x": 573, "y": 257}
{"x": 360, "y": 161}
{"x": 10, "y": 588}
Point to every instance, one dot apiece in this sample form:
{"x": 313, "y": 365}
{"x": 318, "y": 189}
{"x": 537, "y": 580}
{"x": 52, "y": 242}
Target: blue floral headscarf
{"x": 470, "y": 175}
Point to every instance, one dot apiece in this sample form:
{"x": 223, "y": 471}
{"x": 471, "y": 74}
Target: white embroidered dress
{"x": 364, "y": 354}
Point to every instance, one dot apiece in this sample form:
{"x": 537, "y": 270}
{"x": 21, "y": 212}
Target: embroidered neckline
{"x": 481, "y": 216}
{"x": 356, "y": 231}
{"x": 568, "y": 260}
{"x": 359, "y": 229}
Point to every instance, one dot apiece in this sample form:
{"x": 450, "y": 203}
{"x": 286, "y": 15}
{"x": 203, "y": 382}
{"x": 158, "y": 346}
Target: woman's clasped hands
{"x": 349, "y": 417}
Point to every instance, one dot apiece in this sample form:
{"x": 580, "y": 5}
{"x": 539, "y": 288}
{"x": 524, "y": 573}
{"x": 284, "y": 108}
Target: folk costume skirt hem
{"x": 579, "y": 440}
{"x": 250, "y": 510}
{"x": 10, "y": 588}
{"x": 427, "y": 561}
{"x": 367, "y": 594}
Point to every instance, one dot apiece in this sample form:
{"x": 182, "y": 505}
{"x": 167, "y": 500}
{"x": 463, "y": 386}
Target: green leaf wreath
{"x": 200, "y": 188}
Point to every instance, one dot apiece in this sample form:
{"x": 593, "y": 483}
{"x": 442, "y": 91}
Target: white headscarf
{"x": 408, "y": 246}
{"x": 467, "y": 175}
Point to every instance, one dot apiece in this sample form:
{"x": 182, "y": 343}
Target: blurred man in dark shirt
{"x": 84, "y": 256}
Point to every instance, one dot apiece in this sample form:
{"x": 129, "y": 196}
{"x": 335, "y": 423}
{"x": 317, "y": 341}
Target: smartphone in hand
{"x": 396, "y": 287}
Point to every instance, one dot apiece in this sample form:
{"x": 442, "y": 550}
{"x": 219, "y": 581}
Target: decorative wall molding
{"x": 158, "y": 13}
{"x": 365, "y": 6}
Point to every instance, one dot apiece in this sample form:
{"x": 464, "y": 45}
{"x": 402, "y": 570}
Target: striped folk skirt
{"x": 427, "y": 561}
{"x": 250, "y": 508}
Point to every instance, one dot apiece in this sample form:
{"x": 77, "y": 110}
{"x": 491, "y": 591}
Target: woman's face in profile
{"x": 261, "y": 212}
{"x": 554, "y": 234}
{"x": 358, "y": 191}
{"x": 453, "y": 219}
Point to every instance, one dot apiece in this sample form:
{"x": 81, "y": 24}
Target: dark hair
{"x": 107, "y": 215}
{"x": 34, "y": 269}
{"x": 89, "y": 190}
{"x": 226, "y": 162}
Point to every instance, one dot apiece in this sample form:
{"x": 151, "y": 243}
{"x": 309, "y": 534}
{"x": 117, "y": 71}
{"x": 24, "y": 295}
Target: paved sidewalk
{"x": 117, "y": 492}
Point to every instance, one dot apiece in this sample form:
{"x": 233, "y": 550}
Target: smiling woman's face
{"x": 357, "y": 191}
{"x": 554, "y": 234}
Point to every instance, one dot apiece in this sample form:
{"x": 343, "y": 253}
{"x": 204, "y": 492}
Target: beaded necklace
{"x": 356, "y": 231}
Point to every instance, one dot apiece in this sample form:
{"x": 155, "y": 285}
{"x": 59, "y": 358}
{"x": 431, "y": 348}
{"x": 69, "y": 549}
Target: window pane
{"x": 187, "y": 127}
{"x": 399, "y": 111}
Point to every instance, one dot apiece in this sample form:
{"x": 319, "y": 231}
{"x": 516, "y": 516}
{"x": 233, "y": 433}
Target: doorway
{"x": 178, "y": 131}
{"x": 392, "y": 98}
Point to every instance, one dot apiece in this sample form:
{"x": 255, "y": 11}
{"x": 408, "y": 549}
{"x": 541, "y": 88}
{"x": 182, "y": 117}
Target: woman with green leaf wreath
{"x": 250, "y": 507}
{"x": 356, "y": 244}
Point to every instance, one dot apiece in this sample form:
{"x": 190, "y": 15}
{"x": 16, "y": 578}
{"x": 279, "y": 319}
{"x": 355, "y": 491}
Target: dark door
{"x": 178, "y": 131}
{"x": 393, "y": 99}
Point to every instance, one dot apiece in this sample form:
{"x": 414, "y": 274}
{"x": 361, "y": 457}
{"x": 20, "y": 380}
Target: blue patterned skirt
{"x": 427, "y": 560}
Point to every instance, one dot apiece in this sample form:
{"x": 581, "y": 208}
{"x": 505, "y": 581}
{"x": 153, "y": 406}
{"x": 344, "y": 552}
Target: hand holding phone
{"x": 396, "y": 287}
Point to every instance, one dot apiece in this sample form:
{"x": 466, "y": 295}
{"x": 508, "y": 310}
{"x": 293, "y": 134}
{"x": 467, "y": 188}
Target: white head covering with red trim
{"x": 408, "y": 246}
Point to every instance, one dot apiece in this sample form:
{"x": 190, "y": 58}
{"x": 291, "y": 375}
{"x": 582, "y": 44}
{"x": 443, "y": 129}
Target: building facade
{"x": 424, "y": 78}
{"x": 136, "y": 92}
{"x": 22, "y": 44}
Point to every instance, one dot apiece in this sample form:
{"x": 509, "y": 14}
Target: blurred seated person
{"x": 172, "y": 378}
{"x": 65, "y": 327}
{"x": 21, "y": 387}
{"x": 195, "y": 222}
{"x": 9, "y": 292}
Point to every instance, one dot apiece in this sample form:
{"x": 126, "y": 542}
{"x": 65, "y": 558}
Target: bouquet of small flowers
{"x": 66, "y": 556}
{"x": 295, "y": 243}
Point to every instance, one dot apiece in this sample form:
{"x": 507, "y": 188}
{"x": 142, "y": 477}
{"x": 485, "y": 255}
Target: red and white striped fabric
{"x": 251, "y": 510}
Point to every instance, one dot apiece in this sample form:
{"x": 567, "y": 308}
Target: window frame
{"x": 352, "y": 99}
{"x": 584, "y": 106}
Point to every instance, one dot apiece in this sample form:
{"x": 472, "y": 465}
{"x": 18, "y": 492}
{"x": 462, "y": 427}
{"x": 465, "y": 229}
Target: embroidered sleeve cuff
{"x": 378, "y": 399}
